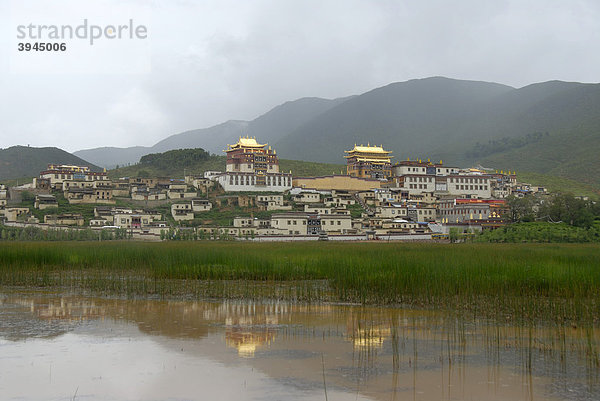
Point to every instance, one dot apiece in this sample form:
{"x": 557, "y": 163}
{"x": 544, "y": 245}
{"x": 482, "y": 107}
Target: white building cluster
{"x": 374, "y": 198}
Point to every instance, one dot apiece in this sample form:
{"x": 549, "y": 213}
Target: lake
{"x": 66, "y": 346}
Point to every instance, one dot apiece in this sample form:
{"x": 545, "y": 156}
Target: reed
{"x": 548, "y": 281}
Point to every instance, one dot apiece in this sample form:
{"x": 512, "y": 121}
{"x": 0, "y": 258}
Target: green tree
{"x": 568, "y": 209}
{"x": 453, "y": 234}
{"x": 520, "y": 209}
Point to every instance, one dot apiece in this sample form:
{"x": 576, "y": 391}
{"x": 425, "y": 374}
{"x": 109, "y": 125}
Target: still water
{"x": 58, "y": 346}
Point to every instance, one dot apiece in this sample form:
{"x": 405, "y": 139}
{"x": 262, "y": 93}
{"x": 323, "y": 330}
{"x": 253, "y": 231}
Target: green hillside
{"x": 196, "y": 161}
{"x": 413, "y": 118}
{"x": 24, "y": 161}
{"x": 175, "y": 163}
{"x": 549, "y": 128}
{"x": 559, "y": 184}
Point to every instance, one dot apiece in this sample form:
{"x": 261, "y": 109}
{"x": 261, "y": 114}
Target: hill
{"x": 269, "y": 127}
{"x": 550, "y": 128}
{"x": 24, "y": 161}
{"x": 410, "y": 118}
{"x": 111, "y": 157}
{"x": 559, "y": 184}
{"x": 572, "y": 119}
{"x": 176, "y": 163}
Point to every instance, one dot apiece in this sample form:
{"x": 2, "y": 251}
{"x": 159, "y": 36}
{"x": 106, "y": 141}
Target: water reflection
{"x": 354, "y": 352}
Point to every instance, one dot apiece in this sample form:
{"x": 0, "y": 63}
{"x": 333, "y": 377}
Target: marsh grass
{"x": 504, "y": 281}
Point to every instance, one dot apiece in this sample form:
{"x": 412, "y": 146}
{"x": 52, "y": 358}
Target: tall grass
{"x": 560, "y": 282}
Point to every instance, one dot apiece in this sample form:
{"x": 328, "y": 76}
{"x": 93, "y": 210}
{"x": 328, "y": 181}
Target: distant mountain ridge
{"x": 436, "y": 118}
{"x": 174, "y": 163}
{"x": 267, "y": 127}
{"x": 25, "y": 161}
{"x": 444, "y": 119}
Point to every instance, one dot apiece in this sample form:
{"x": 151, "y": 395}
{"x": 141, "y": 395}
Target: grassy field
{"x": 513, "y": 281}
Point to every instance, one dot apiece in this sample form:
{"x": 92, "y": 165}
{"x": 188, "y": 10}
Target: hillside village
{"x": 377, "y": 198}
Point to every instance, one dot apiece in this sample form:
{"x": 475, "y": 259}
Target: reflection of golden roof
{"x": 246, "y": 340}
{"x": 246, "y": 350}
{"x": 368, "y": 149}
{"x": 370, "y": 338}
{"x": 245, "y": 142}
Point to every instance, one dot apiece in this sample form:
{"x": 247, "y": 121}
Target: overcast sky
{"x": 204, "y": 62}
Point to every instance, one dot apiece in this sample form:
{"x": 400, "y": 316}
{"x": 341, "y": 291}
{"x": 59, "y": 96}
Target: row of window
{"x": 87, "y": 177}
{"x": 125, "y": 220}
{"x": 417, "y": 186}
{"x": 420, "y": 179}
{"x": 463, "y": 211}
{"x": 471, "y": 187}
{"x": 104, "y": 195}
{"x": 470, "y": 180}
{"x": 457, "y": 180}
{"x": 323, "y": 222}
{"x": 317, "y": 211}
{"x": 251, "y": 180}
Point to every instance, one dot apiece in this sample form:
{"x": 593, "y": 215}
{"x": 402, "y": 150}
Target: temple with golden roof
{"x": 368, "y": 162}
{"x": 252, "y": 166}
{"x": 247, "y": 155}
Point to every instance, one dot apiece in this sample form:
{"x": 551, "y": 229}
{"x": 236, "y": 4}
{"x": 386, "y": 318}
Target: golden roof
{"x": 368, "y": 149}
{"x": 245, "y": 142}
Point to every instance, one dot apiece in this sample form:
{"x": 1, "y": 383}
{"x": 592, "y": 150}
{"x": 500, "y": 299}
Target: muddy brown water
{"x": 59, "y": 346}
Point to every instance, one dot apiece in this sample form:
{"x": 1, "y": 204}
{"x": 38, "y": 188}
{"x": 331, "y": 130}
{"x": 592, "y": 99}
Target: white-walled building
{"x": 182, "y": 211}
{"x": 251, "y": 167}
{"x": 59, "y": 173}
{"x": 461, "y": 210}
{"x": 336, "y": 223}
{"x": 290, "y": 223}
{"x": 201, "y": 205}
{"x": 418, "y": 167}
{"x": 473, "y": 185}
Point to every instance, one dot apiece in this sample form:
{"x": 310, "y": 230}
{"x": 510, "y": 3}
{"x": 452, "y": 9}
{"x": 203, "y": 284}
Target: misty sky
{"x": 211, "y": 61}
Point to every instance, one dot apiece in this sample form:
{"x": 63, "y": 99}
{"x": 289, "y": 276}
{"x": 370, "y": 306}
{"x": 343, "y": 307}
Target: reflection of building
{"x": 249, "y": 326}
{"x": 369, "y": 338}
{"x": 253, "y": 167}
{"x": 248, "y": 339}
{"x": 62, "y": 309}
{"x": 368, "y": 162}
